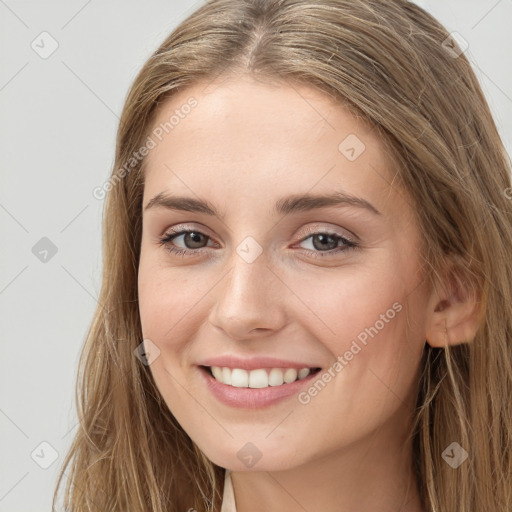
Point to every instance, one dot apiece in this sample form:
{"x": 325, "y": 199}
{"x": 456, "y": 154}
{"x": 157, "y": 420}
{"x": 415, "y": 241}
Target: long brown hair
{"x": 394, "y": 65}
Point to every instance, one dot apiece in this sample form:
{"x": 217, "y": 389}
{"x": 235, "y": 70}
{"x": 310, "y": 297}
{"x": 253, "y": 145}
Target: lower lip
{"x": 253, "y": 398}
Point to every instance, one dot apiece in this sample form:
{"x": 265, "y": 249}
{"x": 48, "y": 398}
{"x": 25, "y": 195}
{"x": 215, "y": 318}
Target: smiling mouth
{"x": 257, "y": 378}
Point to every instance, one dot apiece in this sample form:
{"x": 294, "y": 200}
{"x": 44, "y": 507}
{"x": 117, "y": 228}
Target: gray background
{"x": 58, "y": 121}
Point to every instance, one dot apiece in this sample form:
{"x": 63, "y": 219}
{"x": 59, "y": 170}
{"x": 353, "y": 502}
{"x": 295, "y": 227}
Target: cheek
{"x": 166, "y": 301}
{"x": 343, "y": 305}
{"x": 360, "y": 317}
{"x": 166, "y": 298}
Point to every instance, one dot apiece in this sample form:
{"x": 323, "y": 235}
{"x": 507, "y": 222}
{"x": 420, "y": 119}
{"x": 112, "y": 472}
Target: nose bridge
{"x": 247, "y": 298}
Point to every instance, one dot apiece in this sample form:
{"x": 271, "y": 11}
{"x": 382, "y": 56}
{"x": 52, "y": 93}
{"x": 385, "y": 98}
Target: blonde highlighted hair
{"x": 385, "y": 60}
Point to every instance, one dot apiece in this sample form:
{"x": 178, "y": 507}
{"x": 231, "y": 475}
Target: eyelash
{"x": 166, "y": 239}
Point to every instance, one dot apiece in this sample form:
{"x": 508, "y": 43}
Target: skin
{"x": 245, "y": 145}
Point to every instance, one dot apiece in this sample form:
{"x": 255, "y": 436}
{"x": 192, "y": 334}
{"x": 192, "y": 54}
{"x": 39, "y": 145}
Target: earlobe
{"x": 453, "y": 315}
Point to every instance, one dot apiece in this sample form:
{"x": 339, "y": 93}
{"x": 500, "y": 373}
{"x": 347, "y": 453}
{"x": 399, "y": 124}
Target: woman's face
{"x": 270, "y": 271}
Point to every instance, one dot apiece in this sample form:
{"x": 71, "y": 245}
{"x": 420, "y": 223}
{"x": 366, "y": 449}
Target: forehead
{"x": 247, "y": 137}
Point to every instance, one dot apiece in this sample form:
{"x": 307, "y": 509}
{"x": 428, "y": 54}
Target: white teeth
{"x": 226, "y": 376}
{"x": 304, "y": 372}
{"x": 260, "y": 378}
{"x": 275, "y": 377}
{"x": 217, "y": 372}
{"x": 239, "y": 377}
{"x": 290, "y": 375}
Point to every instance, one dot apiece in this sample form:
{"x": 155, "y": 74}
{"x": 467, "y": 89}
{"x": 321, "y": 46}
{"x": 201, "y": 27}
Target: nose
{"x": 249, "y": 300}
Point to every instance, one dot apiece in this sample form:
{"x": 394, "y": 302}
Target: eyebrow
{"x": 284, "y": 206}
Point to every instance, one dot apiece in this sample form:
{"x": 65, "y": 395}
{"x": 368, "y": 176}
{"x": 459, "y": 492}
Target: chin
{"x": 253, "y": 457}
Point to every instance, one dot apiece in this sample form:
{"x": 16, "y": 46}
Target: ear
{"x": 454, "y": 309}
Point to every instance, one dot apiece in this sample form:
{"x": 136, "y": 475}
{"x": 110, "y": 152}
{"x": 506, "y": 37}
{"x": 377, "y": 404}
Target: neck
{"x": 373, "y": 474}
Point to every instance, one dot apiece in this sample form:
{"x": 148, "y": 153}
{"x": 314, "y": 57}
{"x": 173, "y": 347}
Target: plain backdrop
{"x": 65, "y": 70}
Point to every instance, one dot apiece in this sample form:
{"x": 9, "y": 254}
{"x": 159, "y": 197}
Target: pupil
{"x": 324, "y": 243}
{"x": 193, "y": 238}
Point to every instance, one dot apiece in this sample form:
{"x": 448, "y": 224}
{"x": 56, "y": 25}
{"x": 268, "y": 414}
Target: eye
{"x": 324, "y": 243}
{"x": 327, "y": 244}
{"x": 192, "y": 238}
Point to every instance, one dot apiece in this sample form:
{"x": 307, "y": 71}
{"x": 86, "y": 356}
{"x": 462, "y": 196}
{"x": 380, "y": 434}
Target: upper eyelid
{"x": 319, "y": 229}
{"x": 180, "y": 228}
{"x": 180, "y": 231}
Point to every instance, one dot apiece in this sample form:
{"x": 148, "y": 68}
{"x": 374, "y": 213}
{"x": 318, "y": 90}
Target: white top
{"x": 228, "y": 497}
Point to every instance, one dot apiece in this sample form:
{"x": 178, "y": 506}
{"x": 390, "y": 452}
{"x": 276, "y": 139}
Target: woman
{"x": 307, "y": 282}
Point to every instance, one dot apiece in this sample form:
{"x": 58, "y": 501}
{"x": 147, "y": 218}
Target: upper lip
{"x": 253, "y": 363}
